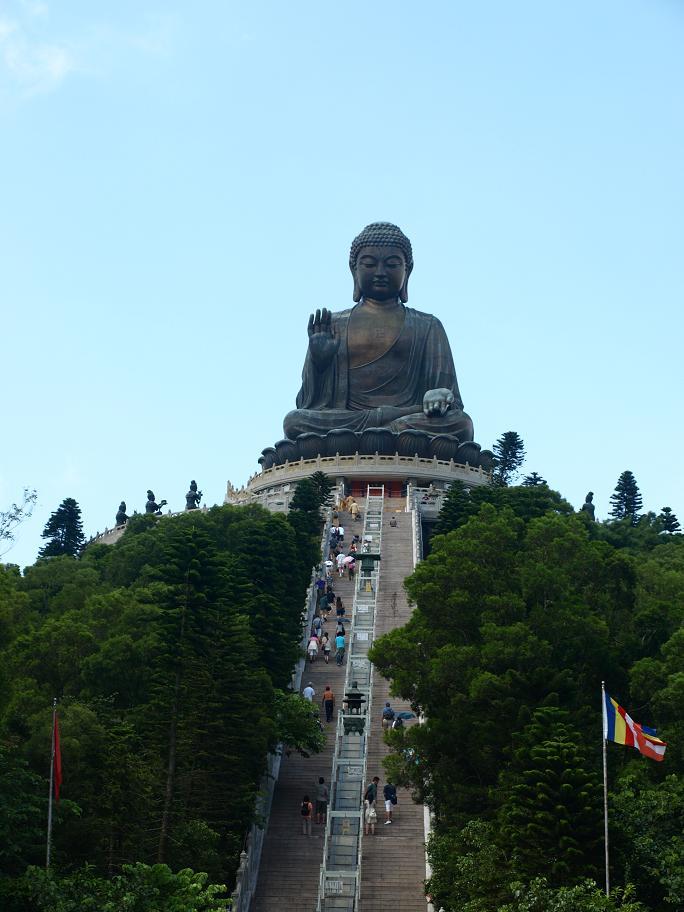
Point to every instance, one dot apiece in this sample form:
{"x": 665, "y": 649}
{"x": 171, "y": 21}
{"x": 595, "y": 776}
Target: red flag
{"x": 57, "y": 760}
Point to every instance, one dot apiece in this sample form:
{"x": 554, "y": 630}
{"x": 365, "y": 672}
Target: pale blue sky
{"x": 181, "y": 182}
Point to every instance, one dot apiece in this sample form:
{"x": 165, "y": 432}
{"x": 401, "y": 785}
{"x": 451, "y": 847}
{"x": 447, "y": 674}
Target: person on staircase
{"x": 389, "y": 793}
{"x": 328, "y": 703}
{"x": 387, "y": 716}
{"x": 312, "y": 648}
{"x": 306, "y": 815}
{"x": 325, "y": 645}
{"x": 370, "y": 817}
{"x": 339, "y": 648}
{"x": 322, "y": 798}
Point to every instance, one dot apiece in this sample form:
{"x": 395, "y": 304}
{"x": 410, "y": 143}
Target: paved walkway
{"x": 393, "y": 864}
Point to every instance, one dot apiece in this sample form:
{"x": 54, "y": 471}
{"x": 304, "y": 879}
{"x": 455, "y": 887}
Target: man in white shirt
{"x": 309, "y": 693}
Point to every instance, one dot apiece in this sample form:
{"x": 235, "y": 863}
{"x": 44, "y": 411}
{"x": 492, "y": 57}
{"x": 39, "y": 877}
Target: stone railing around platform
{"x": 109, "y": 536}
{"x": 375, "y": 466}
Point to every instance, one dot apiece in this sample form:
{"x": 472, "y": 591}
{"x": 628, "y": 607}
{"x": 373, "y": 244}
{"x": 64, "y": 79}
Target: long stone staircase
{"x": 392, "y": 861}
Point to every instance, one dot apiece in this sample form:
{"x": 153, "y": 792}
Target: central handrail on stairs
{"x": 340, "y": 874}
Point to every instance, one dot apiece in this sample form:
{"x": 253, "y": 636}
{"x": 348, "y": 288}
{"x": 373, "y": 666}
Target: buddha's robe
{"x": 387, "y": 391}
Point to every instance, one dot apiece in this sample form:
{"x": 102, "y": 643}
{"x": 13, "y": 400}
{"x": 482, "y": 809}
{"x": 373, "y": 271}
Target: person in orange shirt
{"x": 328, "y": 703}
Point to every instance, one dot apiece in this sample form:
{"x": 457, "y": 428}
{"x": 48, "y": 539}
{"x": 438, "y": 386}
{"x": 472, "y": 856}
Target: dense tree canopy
{"x": 521, "y": 610}
{"x": 170, "y": 654}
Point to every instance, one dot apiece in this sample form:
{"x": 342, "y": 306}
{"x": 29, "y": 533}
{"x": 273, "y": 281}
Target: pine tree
{"x": 626, "y": 500}
{"x": 509, "y": 455}
{"x": 669, "y": 521}
{"x": 324, "y": 485}
{"x": 456, "y": 508}
{"x": 64, "y": 531}
{"x": 530, "y": 481}
{"x": 550, "y": 817}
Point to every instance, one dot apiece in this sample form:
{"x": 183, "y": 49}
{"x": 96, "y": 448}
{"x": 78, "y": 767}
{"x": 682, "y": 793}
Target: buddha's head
{"x": 381, "y": 261}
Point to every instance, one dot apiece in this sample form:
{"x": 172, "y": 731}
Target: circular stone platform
{"x": 274, "y": 487}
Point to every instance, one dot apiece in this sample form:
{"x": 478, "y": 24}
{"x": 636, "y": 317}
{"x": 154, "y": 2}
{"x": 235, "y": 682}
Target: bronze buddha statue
{"x": 379, "y": 364}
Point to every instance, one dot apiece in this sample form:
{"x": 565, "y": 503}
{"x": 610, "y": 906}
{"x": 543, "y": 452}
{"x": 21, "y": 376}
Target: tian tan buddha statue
{"x": 378, "y": 377}
{"x": 379, "y": 363}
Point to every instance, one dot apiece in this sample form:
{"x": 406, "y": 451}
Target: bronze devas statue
{"x": 193, "y": 497}
{"x": 151, "y": 506}
{"x": 588, "y": 506}
{"x": 379, "y": 364}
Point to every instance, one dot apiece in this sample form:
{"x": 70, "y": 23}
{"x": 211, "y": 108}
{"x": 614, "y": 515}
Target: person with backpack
{"x": 306, "y": 815}
{"x": 325, "y": 643}
{"x": 389, "y": 793}
{"x": 387, "y": 716}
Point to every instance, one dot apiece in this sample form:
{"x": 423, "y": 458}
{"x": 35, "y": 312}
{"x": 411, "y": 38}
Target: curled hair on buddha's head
{"x": 381, "y": 234}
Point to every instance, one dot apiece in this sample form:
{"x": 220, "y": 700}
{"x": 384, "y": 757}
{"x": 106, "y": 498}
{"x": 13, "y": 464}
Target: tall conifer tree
{"x": 533, "y": 479}
{"x": 626, "y": 499}
{"x": 509, "y": 455}
{"x": 64, "y": 531}
{"x": 669, "y": 521}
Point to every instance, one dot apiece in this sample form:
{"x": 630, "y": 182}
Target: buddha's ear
{"x": 403, "y": 291}
{"x": 356, "y": 294}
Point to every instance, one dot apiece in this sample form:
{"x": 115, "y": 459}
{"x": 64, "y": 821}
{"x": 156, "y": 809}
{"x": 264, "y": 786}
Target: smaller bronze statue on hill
{"x": 193, "y": 497}
{"x": 121, "y": 518}
{"x": 151, "y": 506}
{"x": 588, "y": 506}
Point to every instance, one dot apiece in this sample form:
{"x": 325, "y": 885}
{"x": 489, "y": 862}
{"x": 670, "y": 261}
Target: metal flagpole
{"x": 52, "y": 773}
{"x": 605, "y": 784}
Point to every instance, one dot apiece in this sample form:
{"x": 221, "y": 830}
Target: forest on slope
{"x": 170, "y": 654}
{"x": 522, "y": 608}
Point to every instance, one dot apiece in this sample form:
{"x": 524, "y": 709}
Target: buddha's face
{"x": 380, "y": 272}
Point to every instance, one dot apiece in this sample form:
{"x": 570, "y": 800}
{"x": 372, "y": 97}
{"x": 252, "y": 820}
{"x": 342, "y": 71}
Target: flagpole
{"x": 605, "y": 785}
{"x": 52, "y": 772}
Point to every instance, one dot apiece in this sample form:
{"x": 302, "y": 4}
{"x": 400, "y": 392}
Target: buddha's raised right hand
{"x": 323, "y": 343}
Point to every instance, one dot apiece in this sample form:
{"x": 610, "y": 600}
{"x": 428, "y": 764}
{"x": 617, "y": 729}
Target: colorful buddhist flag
{"x": 619, "y": 726}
